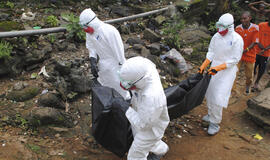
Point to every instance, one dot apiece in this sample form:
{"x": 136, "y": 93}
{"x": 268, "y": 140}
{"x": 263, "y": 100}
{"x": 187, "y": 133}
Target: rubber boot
{"x": 206, "y": 118}
{"x": 213, "y": 129}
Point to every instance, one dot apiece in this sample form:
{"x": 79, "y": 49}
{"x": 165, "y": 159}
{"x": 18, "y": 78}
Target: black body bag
{"x": 188, "y": 94}
{"x": 112, "y": 129}
{"x": 110, "y": 126}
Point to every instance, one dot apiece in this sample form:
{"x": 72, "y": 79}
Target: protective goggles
{"x": 85, "y": 25}
{"x": 220, "y": 25}
{"x": 128, "y": 84}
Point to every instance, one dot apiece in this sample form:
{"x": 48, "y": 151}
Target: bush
{"x": 52, "y": 21}
{"x": 74, "y": 29}
{"x": 5, "y": 49}
{"x": 171, "y": 32}
{"x": 10, "y": 4}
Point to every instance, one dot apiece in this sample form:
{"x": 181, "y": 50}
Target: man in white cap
{"x": 148, "y": 114}
{"x": 225, "y": 51}
{"x": 106, "y": 50}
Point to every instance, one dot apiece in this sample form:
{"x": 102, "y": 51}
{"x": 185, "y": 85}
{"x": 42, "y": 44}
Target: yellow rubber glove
{"x": 204, "y": 65}
{"x": 214, "y": 70}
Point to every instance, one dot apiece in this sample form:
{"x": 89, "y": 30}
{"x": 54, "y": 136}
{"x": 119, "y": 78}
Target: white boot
{"x": 213, "y": 129}
{"x": 206, "y": 118}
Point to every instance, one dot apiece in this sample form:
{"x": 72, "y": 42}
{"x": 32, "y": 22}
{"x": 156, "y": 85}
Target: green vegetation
{"x": 51, "y": 38}
{"x": 74, "y": 29}
{"x": 5, "y": 49}
{"x": 21, "y": 121}
{"x": 34, "y": 148}
{"x": 9, "y": 26}
{"x": 171, "y": 32}
{"x": 10, "y": 4}
{"x": 52, "y": 21}
{"x": 212, "y": 27}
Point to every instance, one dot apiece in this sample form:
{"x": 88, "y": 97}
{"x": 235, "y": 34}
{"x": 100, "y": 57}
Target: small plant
{"x": 5, "y": 49}
{"x": 52, "y": 21}
{"x": 10, "y": 4}
{"x": 51, "y": 38}
{"x": 171, "y": 31}
{"x": 21, "y": 121}
{"x": 212, "y": 27}
{"x": 48, "y": 10}
{"x": 74, "y": 29}
{"x": 33, "y": 147}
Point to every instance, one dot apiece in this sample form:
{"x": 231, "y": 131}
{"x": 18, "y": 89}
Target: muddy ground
{"x": 187, "y": 141}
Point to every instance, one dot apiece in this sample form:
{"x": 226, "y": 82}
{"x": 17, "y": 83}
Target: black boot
{"x": 153, "y": 156}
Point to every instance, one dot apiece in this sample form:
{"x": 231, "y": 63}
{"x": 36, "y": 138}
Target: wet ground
{"x": 187, "y": 140}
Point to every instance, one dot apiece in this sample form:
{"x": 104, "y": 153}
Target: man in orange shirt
{"x": 264, "y": 44}
{"x": 248, "y": 31}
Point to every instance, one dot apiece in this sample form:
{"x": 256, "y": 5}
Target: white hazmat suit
{"x": 226, "y": 50}
{"x": 106, "y": 44}
{"x": 148, "y": 115}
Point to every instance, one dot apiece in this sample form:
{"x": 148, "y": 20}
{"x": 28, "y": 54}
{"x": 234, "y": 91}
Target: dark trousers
{"x": 261, "y": 62}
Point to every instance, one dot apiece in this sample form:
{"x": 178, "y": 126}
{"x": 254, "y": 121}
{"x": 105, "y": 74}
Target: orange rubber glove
{"x": 204, "y": 65}
{"x": 214, "y": 70}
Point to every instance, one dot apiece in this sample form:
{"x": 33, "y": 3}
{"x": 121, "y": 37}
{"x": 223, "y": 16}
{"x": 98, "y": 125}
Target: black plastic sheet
{"x": 110, "y": 126}
{"x": 112, "y": 129}
{"x": 188, "y": 94}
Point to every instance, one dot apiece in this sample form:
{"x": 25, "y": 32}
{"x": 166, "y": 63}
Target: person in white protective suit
{"x": 148, "y": 114}
{"x": 225, "y": 51}
{"x": 104, "y": 42}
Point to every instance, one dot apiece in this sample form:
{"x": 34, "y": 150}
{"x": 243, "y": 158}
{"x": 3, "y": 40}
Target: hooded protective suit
{"x": 226, "y": 49}
{"x": 106, "y": 44}
{"x": 148, "y": 115}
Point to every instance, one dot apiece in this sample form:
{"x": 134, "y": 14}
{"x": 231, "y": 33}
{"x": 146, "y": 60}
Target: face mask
{"x": 223, "y": 31}
{"x": 89, "y": 30}
{"x": 131, "y": 88}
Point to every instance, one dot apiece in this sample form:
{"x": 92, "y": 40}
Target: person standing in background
{"x": 249, "y": 32}
{"x": 263, "y": 56}
{"x": 260, "y": 11}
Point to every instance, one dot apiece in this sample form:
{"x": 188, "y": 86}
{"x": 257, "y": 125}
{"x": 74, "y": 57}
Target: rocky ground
{"x": 48, "y": 115}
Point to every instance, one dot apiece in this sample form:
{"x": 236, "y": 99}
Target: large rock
{"x": 3, "y": 16}
{"x": 154, "y": 49}
{"x": 132, "y": 41}
{"x": 51, "y": 100}
{"x": 151, "y": 35}
{"x": 193, "y": 34}
{"x": 160, "y": 19}
{"x": 63, "y": 67}
{"x": 40, "y": 116}
{"x": 23, "y": 95}
{"x": 121, "y": 10}
{"x": 4, "y": 69}
{"x": 81, "y": 83}
{"x": 259, "y": 109}
{"x": 124, "y": 29}
{"x": 38, "y": 56}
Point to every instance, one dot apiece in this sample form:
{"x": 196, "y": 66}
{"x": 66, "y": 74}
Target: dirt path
{"x": 187, "y": 141}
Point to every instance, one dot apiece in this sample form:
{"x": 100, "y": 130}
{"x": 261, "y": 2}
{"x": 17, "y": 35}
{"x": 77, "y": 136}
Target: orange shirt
{"x": 264, "y": 37}
{"x": 249, "y": 36}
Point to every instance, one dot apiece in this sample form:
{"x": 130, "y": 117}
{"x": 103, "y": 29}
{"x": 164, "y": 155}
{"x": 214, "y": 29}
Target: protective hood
{"x": 138, "y": 70}
{"x": 88, "y": 17}
{"x": 226, "y": 22}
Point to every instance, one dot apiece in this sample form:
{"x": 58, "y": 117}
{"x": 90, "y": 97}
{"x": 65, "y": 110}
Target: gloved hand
{"x": 203, "y": 66}
{"x": 214, "y": 70}
{"x": 94, "y": 68}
